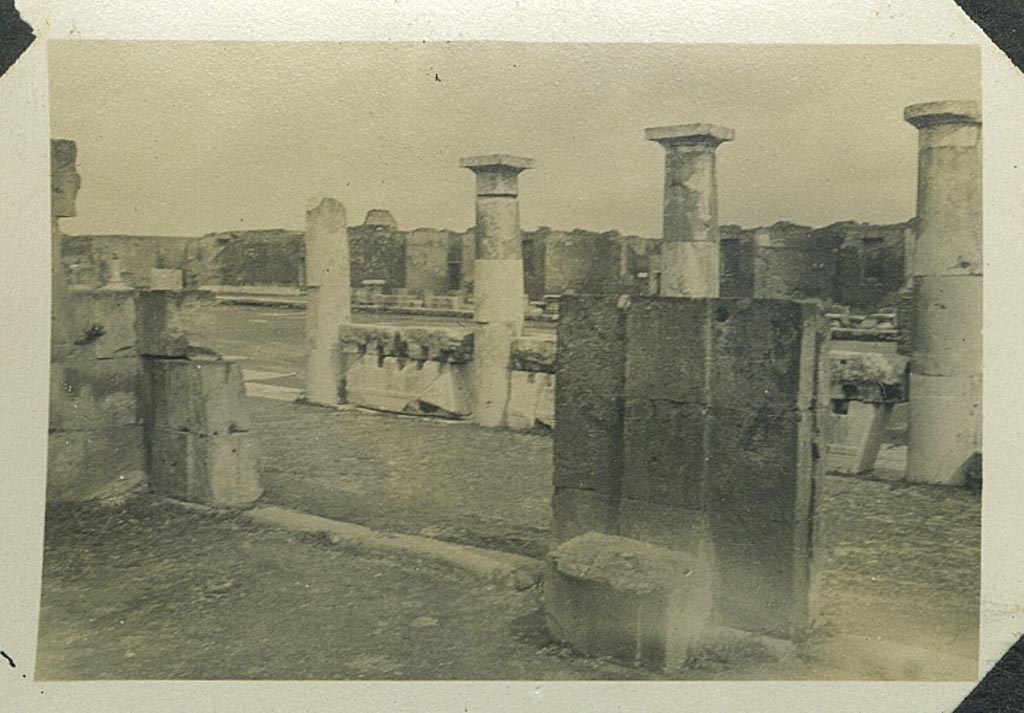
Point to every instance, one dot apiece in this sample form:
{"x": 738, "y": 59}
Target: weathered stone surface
{"x": 407, "y": 386}
{"x": 576, "y": 512}
{"x": 531, "y": 400}
{"x": 855, "y": 437}
{"x": 94, "y": 463}
{"x": 170, "y": 324}
{"x": 767, "y": 354}
{"x": 450, "y": 345}
{"x": 201, "y": 397}
{"x": 99, "y": 393}
{"x": 588, "y": 444}
{"x": 64, "y": 178}
{"x": 214, "y": 470}
{"x": 664, "y": 452}
{"x": 946, "y": 339}
{"x": 945, "y": 428}
{"x": 761, "y": 464}
{"x": 166, "y": 279}
{"x": 763, "y": 569}
{"x": 632, "y": 601}
{"x": 664, "y": 525}
{"x": 96, "y": 325}
{"x": 690, "y": 268}
{"x": 871, "y": 377}
{"x": 666, "y": 342}
{"x": 534, "y": 354}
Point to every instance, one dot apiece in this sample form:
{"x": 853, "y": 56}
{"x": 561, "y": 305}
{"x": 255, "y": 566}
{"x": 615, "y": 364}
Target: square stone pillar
{"x": 946, "y": 301}
{"x": 498, "y": 281}
{"x": 689, "y": 249}
{"x": 697, "y": 425}
{"x": 329, "y": 301}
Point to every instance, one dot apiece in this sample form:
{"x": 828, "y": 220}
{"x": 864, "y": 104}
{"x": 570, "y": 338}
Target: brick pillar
{"x": 328, "y": 304}
{"x": 689, "y": 249}
{"x": 945, "y": 360}
{"x": 498, "y": 281}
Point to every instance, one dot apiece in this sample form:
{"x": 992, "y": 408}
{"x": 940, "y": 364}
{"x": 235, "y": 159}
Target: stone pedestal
{"x": 329, "y": 302}
{"x": 634, "y": 602}
{"x": 946, "y": 304}
{"x": 689, "y": 249}
{"x": 498, "y": 281}
{"x": 697, "y": 425}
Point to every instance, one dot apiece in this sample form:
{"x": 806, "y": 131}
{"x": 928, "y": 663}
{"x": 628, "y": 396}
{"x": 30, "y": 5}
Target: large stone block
{"x": 664, "y": 525}
{"x": 203, "y": 397}
{"x": 576, "y": 512}
{"x": 99, "y": 393}
{"x": 762, "y": 463}
{"x": 96, "y": 325}
{"x": 664, "y": 452}
{"x": 763, "y": 572}
{"x": 946, "y": 339}
{"x": 531, "y": 399}
{"x": 172, "y": 324}
{"x": 403, "y": 385}
{"x": 588, "y": 441}
{"x": 628, "y": 600}
{"x": 666, "y": 349}
{"x": 767, "y": 354}
{"x": 94, "y": 463}
{"x": 214, "y": 470}
{"x": 591, "y": 345}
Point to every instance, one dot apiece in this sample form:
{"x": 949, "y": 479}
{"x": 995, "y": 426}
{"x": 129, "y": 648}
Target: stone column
{"x": 689, "y": 248}
{"x": 498, "y": 281}
{"x": 328, "y": 303}
{"x": 946, "y": 332}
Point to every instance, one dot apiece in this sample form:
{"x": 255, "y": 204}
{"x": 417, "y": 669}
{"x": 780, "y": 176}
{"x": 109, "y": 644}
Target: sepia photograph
{"x": 482, "y": 360}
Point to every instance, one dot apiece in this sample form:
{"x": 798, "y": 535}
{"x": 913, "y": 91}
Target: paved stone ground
{"x": 901, "y": 562}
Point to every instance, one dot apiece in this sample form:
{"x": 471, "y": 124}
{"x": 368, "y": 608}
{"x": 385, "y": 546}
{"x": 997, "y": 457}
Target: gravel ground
{"x": 151, "y": 589}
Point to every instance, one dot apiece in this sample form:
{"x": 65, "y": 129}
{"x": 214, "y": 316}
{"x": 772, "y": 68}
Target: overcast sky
{"x": 179, "y": 138}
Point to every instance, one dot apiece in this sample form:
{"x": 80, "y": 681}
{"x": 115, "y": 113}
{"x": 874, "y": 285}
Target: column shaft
{"x": 946, "y": 331}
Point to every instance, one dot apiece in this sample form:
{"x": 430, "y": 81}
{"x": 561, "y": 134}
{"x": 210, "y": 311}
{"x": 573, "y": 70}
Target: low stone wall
{"x": 135, "y": 402}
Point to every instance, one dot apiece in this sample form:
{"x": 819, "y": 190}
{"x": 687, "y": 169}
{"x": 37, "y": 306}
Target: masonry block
{"x": 677, "y": 528}
{"x": 526, "y": 402}
{"x": 576, "y": 512}
{"x": 767, "y": 354}
{"x": 763, "y": 570}
{"x": 761, "y": 463}
{"x": 214, "y": 470}
{"x": 95, "y": 393}
{"x": 402, "y": 385}
{"x": 96, "y": 325}
{"x": 591, "y": 345}
{"x": 666, "y": 349}
{"x": 94, "y": 463}
{"x": 634, "y": 602}
{"x": 203, "y": 397}
{"x": 663, "y": 452}
{"x": 172, "y": 324}
{"x": 588, "y": 442}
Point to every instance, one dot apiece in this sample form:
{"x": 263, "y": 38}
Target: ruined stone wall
{"x": 870, "y": 267}
{"x": 85, "y": 257}
{"x": 582, "y": 262}
{"x": 252, "y": 257}
{"x": 377, "y": 252}
{"x": 433, "y": 261}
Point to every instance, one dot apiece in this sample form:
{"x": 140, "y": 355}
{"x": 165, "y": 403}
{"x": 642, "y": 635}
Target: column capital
{"x": 496, "y": 174}
{"x": 942, "y": 112}
{"x": 690, "y": 135}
